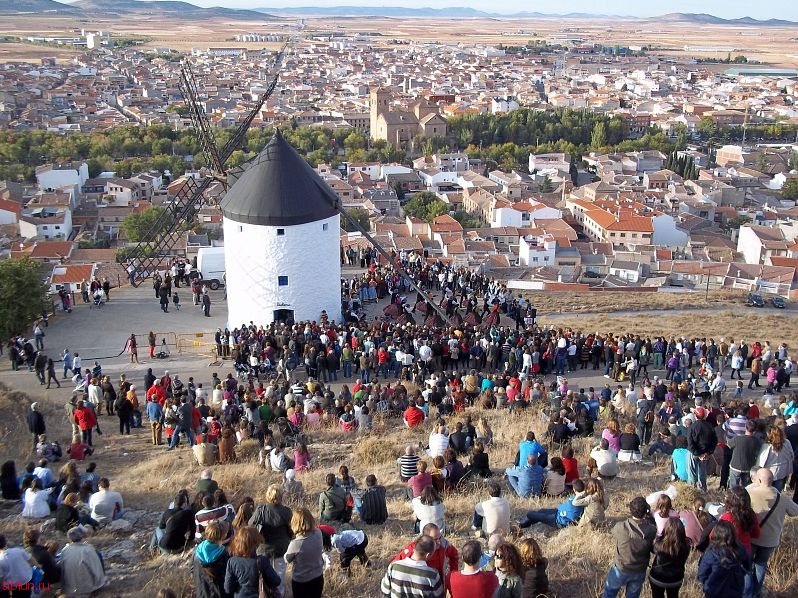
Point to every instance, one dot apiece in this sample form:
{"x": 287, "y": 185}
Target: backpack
{"x": 568, "y": 513}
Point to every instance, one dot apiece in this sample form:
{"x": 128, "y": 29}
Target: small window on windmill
{"x": 280, "y": 232}
{"x": 325, "y": 226}
{"x": 282, "y": 281}
{"x": 241, "y": 229}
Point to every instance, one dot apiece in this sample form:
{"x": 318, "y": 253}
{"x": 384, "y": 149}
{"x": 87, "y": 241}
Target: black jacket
{"x": 47, "y": 562}
{"x": 702, "y": 439}
{"x": 274, "y": 524}
{"x": 36, "y": 422}
{"x": 536, "y": 581}
{"x": 667, "y": 571}
{"x": 374, "y": 509}
{"x": 66, "y": 518}
{"x": 209, "y": 577}
{"x": 177, "y": 524}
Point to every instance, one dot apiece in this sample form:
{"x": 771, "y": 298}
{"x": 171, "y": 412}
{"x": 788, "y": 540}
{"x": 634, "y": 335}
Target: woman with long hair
{"x": 741, "y": 516}
{"x": 778, "y": 456}
{"x": 508, "y": 569}
{"x": 612, "y": 434}
{"x": 245, "y": 568}
{"x": 536, "y": 580}
{"x": 132, "y": 348}
{"x": 671, "y": 550}
{"x": 554, "y": 478}
{"x": 428, "y": 508}
{"x": 595, "y": 509}
{"x": 305, "y": 552}
{"x": 663, "y": 512}
{"x": 724, "y": 565}
{"x": 151, "y": 343}
{"x": 243, "y": 515}
{"x": 8, "y": 481}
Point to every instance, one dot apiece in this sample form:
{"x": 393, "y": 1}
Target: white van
{"x": 210, "y": 263}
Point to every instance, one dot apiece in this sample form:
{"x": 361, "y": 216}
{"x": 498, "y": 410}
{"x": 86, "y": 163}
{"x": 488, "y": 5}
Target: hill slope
{"x": 35, "y": 6}
{"x": 184, "y": 10}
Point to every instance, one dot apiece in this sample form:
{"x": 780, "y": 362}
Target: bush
{"x": 373, "y": 451}
{"x": 248, "y": 450}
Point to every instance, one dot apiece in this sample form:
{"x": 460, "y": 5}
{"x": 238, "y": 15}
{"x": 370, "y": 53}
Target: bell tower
{"x": 378, "y": 104}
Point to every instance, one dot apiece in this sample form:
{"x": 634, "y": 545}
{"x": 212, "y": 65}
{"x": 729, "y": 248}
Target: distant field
{"x": 773, "y": 45}
{"x": 13, "y": 52}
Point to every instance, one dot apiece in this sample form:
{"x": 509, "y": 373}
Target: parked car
{"x": 755, "y": 300}
{"x": 779, "y": 302}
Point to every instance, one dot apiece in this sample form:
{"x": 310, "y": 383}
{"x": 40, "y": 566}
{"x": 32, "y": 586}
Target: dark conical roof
{"x": 278, "y": 188}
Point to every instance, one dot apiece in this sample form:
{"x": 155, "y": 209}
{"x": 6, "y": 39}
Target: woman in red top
{"x": 740, "y": 514}
{"x": 471, "y": 582}
{"x": 570, "y": 464}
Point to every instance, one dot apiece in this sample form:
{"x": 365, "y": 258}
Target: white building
{"x": 522, "y": 213}
{"x": 46, "y": 223}
{"x": 53, "y": 177}
{"x": 281, "y": 239}
{"x": 758, "y": 244}
{"x": 536, "y": 250}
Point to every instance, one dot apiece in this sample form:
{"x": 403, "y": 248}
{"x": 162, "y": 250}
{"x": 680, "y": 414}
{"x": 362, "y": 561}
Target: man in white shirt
{"x": 106, "y": 505}
{"x": 438, "y": 442}
{"x": 606, "y": 461}
{"x": 16, "y": 566}
{"x": 493, "y": 515}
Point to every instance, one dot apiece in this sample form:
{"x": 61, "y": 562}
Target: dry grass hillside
{"x": 608, "y": 301}
{"x": 148, "y": 478}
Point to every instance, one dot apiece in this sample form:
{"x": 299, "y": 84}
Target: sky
{"x": 779, "y": 9}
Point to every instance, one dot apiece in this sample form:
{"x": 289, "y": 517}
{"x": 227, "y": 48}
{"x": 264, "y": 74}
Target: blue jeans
{"x": 176, "y": 437}
{"x": 547, "y": 516}
{"x": 617, "y": 579}
{"x": 756, "y": 581}
{"x": 698, "y": 471}
{"x": 347, "y": 369}
{"x": 364, "y": 375}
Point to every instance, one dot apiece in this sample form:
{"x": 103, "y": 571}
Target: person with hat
{"x": 82, "y": 571}
{"x": 701, "y": 442}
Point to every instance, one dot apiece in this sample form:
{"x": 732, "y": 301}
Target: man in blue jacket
{"x": 526, "y": 480}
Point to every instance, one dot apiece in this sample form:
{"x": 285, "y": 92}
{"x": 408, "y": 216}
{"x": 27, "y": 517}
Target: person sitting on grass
{"x": 526, "y": 480}
{"x": 493, "y": 515}
{"x": 472, "y": 582}
{"x": 568, "y": 513}
{"x": 332, "y": 502}
{"x": 371, "y": 505}
{"x": 603, "y": 462}
{"x": 554, "y": 479}
{"x": 536, "y": 579}
{"x": 442, "y": 552}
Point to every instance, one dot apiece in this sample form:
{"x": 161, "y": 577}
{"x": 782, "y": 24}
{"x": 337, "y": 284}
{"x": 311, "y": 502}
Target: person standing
{"x": 273, "y": 521}
{"x": 701, "y": 442}
{"x": 745, "y": 452}
{"x": 132, "y": 347}
{"x": 66, "y": 357}
{"x": 305, "y": 553}
{"x": 52, "y": 376}
{"x": 206, "y": 305}
{"x": 36, "y": 423}
{"x": 634, "y": 540}
{"x": 151, "y": 343}
{"x": 770, "y": 506}
{"x": 38, "y": 335}
{"x": 670, "y": 556}
{"x": 184, "y": 412}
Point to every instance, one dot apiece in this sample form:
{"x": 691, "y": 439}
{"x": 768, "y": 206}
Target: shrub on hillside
{"x": 374, "y": 451}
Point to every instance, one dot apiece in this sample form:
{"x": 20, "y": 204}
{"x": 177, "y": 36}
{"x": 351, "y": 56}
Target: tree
{"x": 735, "y": 223}
{"x": 573, "y": 171}
{"x": 790, "y": 189}
{"x": 599, "y": 137}
{"x": 359, "y": 214}
{"x": 545, "y": 185}
{"x": 23, "y": 294}
{"x": 426, "y": 206}
{"x": 140, "y": 224}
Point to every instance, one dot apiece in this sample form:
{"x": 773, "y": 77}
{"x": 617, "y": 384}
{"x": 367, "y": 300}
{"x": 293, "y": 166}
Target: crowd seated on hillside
{"x": 441, "y": 380}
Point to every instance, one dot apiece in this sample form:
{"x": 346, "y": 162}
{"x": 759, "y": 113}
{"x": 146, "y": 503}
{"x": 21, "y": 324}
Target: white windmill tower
{"x": 281, "y": 241}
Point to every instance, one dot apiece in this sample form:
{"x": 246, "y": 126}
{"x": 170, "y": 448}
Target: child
{"x": 349, "y": 543}
{"x": 176, "y": 301}
{"x": 78, "y": 450}
{"x": 738, "y": 392}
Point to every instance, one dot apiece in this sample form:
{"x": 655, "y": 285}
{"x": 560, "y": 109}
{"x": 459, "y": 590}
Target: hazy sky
{"x": 781, "y": 9}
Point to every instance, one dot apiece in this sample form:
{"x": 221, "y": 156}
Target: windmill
{"x": 163, "y": 237}
{"x": 161, "y": 240}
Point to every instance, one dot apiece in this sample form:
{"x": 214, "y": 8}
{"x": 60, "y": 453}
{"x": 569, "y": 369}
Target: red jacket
{"x": 85, "y": 418}
{"x": 437, "y": 560}
{"x": 156, "y": 393}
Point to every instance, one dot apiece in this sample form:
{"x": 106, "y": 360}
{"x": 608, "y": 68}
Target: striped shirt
{"x": 411, "y": 579}
{"x": 408, "y": 466}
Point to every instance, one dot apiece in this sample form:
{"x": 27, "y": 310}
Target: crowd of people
{"x": 666, "y": 401}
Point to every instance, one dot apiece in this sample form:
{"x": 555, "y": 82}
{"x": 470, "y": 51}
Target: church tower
{"x": 378, "y": 104}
